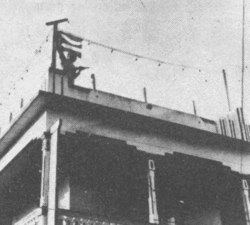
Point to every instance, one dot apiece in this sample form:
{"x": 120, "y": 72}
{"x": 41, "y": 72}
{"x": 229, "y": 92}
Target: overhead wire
{"x": 138, "y": 56}
{"x": 142, "y": 3}
{"x": 34, "y": 57}
{"x": 12, "y": 83}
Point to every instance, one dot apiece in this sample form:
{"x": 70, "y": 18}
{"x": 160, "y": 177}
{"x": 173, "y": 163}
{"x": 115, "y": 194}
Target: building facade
{"x": 81, "y": 156}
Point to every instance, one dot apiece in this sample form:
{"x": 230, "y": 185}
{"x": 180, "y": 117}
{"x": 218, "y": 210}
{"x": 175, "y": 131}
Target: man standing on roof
{"x": 64, "y": 44}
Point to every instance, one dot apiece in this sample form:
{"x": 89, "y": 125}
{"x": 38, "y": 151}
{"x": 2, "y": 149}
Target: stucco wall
{"x": 206, "y": 218}
{"x": 148, "y": 141}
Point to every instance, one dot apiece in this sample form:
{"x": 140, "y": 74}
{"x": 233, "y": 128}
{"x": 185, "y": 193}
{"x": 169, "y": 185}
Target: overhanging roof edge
{"x": 21, "y": 122}
{"x": 36, "y": 106}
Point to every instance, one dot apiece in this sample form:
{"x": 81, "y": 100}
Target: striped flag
{"x": 69, "y": 42}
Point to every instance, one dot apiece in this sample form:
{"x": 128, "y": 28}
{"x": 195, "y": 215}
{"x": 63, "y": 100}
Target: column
{"x": 52, "y": 192}
{"x": 45, "y": 176}
{"x": 153, "y": 213}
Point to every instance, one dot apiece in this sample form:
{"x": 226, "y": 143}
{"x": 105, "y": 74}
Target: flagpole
{"x": 55, "y": 28}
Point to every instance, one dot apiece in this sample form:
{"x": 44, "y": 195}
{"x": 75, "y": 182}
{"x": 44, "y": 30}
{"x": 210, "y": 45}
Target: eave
{"x": 171, "y": 122}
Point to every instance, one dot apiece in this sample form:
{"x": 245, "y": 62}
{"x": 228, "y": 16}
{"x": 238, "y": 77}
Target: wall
{"x": 82, "y": 200}
{"x": 206, "y": 218}
{"x": 148, "y": 141}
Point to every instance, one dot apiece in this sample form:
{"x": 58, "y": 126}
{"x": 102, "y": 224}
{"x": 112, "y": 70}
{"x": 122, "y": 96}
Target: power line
{"x": 142, "y": 3}
{"x": 12, "y": 83}
{"x": 137, "y": 56}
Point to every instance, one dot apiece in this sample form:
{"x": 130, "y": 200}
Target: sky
{"x": 196, "y": 38}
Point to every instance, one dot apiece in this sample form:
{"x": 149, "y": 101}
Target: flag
{"x": 69, "y": 42}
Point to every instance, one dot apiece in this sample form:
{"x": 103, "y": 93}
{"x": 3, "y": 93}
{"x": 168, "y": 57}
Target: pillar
{"x": 45, "y": 176}
{"x": 48, "y": 200}
{"x": 52, "y": 194}
{"x": 153, "y": 212}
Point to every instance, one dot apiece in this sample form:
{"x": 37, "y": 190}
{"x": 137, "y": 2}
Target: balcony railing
{"x": 68, "y": 217}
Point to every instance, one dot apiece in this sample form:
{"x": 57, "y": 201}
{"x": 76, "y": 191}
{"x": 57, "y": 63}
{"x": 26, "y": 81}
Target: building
{"x": 81, "y": 156}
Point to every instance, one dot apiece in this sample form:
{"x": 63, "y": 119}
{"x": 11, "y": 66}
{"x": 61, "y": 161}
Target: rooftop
{"x": 77, "y": 98}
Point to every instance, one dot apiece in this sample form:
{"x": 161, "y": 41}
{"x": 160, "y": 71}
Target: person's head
{"x": 72, "y": 56}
